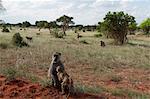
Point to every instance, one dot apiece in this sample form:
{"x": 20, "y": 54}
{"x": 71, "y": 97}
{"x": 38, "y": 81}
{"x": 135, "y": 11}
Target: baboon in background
{"x": 29, "y": 38}
{"x": 52, "y": 69}
{"x": 37, "y": 33}
{"x": 78, "y": 35}
{"x": 102, "y": 43}
{"x": 65, "y": 81}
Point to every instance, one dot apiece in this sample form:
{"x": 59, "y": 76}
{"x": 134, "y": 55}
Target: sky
{"x": 87, "y": 12}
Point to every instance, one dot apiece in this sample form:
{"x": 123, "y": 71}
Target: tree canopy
{"x": 26, "y": 24}
{"x": 65, "y": 21}
{"x": 132, "y": 27}
{"x": 145, "y": 26}
{"x": 116, "y": 24}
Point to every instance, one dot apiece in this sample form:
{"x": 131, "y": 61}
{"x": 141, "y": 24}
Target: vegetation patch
{"x": 85, "y": 89}
{"x": 17, "y": 40}
{"x": 57, "y": 34}
{"x": 4, "y": 45}
{"x": 98, "y": 35}
{"x": 5, "y": 29}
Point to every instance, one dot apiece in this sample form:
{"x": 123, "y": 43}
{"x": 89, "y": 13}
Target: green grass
{"x": 78, "y": 58}
{"x": 86, "y": 89}
{"x": 115, "y": 92}
{"x": 130, "y": 94}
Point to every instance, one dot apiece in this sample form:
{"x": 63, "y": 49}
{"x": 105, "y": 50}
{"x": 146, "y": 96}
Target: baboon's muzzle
{"x": 56, "y": 58}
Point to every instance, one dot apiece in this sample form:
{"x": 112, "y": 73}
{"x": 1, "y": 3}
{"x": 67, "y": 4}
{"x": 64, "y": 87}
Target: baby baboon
{"x": 102, "y": 43}
{"x": 29, "y": 38}
{"x": 65, "y": 80}
{"x": 52, "y": 69}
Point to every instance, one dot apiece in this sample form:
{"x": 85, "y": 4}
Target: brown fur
{"x": 66, "y": 81}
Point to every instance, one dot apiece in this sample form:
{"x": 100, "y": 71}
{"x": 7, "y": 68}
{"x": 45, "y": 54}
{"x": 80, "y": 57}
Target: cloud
{"x": 83, "y": 11}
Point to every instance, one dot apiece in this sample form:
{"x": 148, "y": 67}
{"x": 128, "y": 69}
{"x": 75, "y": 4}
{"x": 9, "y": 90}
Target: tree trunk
{"x": 64, "y": 31}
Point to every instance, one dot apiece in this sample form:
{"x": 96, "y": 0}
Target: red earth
{"x": 23, "y": 89}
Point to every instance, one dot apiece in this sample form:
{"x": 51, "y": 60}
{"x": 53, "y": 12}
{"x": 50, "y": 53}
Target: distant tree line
{"x": 115, "y": 25}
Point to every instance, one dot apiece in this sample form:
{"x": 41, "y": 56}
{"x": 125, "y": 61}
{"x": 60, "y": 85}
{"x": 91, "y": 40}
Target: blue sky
{"x": 84, "y": 11}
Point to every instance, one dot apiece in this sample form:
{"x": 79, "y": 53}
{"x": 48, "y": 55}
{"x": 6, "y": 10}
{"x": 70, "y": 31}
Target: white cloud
{"x": 83, "y": 11}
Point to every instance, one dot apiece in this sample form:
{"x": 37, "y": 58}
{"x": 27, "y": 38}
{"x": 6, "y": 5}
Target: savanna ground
{"x": 121, "y": 72}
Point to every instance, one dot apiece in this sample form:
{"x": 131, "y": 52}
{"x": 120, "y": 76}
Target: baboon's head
{"x": 56, "y": 56}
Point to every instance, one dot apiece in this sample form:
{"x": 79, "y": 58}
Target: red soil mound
{"x": 20, "y": 89}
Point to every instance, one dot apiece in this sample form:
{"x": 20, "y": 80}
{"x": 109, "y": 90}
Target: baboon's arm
{"x": 50, "y": 68}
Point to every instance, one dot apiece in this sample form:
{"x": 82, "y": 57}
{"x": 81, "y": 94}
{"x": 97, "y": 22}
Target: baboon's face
{"x": 56, "y": 57}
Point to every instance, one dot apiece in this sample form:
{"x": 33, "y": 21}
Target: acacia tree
{"x": 132, "y": 27}
{"x": 65, "y": 21}
{"x": 145, "y": 26}
{"x": 116, "y": 24}
{"x": 51, "y": 25}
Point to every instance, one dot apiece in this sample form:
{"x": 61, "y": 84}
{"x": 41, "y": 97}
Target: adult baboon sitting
{"x": 102, "y": 43}
{"x": 52, "y": 69}
{"x": 65, "y": 80}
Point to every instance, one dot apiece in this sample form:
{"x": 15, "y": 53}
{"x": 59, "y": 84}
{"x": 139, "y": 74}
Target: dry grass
{"x": 88, "y": 64}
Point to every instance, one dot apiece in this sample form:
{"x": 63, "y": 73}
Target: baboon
{"x": 52, "y": 69}
{"x": 102, "y": 43}
{"x": 65, "y": 81}
{"x": 78, "y": 35}
{"x": 29, "y": 38}
{"x": 37, "y": 33}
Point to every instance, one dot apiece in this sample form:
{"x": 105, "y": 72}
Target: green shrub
{"x": 57, "y": 34}
{"x": 10, "y": 73}
{"x": 3, "y": 45}
{"x": 98, "y": 35}
{"x": 5, "y": 29}
{"x": 84, "y": 42}
{"x": 17, "y": 40}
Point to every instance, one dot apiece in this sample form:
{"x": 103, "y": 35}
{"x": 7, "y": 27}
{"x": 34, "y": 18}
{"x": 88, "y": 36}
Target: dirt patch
{"x": 20, "y": 89}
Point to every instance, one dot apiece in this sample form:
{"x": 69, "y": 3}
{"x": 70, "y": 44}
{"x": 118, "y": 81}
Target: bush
{"x": 10, "y": 73}
{"x": 57, "y": 34}
{"x": 5, "y": 29}
{"x": 98, "y": 35}
{"x": 84, "y": 42}
{"x": 3, "y": 45}
{"x": 17, "y": 40}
